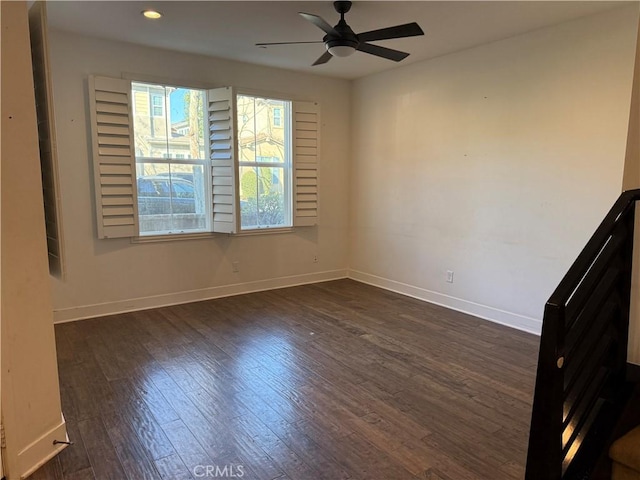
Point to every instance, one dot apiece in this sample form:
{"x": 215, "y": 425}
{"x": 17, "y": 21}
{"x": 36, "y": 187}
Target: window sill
{"x": 172, "y": 237}
{"x": 263, "y": 231}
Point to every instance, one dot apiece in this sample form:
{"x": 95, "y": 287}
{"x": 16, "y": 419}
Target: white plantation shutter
{"x": 306, "y": 144}
{"x": 222, "y": 118}
{"x": 46, "y": 136}
{"x": 114, "y": 165}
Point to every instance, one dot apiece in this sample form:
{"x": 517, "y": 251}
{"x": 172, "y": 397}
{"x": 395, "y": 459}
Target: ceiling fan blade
{"x": 383, "y": 52}
{"x": 319, "y": 22}
{"x": 284, "y": 43}
{"x": 399, "y": 31}
{"x": 324, "y": 58}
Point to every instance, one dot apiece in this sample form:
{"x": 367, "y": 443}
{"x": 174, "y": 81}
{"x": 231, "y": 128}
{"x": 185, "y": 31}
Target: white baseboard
{"x": 143, "y": 303}
{"x": 42, "y": 450}
{"x": 502, "y": 317}
{"x": 520, "y": 322}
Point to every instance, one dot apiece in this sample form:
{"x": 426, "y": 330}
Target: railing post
{"x": 625, "y": 286}
{"x": 544, "y": 457}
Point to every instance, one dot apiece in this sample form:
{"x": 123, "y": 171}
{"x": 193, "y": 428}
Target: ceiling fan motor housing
{"x": 345, "y": 36}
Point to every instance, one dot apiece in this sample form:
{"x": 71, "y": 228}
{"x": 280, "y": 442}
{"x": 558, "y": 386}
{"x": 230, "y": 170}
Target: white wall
{"x": 497, "y": 163}
{"x": 105, "y": 276}
{"x": 30, "y": 393}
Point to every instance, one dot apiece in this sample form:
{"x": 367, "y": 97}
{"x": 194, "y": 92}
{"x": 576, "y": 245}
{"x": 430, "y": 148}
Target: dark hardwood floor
{"x": 337, "y": 380}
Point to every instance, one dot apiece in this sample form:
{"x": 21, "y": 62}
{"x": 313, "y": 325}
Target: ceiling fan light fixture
{"x": 341, "y": 47}
{"x": 341, "y": 50}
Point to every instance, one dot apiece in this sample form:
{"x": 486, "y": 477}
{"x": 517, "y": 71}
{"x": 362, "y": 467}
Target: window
{"x": 172, "y": 190}
{"x": 264, "y": 166}
{"x": 277, "y": 117}
{"x": 157, "y": 106}
{"x": 212, "y": 163}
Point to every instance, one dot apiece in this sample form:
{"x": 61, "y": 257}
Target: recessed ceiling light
{"x": 153, "y": 14}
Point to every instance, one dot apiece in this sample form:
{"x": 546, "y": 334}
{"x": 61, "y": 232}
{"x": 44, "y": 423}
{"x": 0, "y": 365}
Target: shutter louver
{"x": 113, "y": 157}
{"x": 306, "y": 144}
{"x": 222, "y": 118}
{"x": 47, "y": 136}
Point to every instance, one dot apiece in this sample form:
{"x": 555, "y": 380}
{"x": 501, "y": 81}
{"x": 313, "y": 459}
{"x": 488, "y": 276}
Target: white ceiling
{"x": 230, "y": 29}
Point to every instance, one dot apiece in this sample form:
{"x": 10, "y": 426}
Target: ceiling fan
{"x": 341, "y": 41}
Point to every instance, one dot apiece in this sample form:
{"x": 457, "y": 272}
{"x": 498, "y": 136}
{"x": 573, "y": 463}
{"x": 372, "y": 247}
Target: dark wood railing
{"x": 580, "y": 386}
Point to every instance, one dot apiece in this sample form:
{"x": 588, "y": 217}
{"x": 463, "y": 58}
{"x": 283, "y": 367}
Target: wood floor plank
{"x": 254, "y": 457}
{"x": 399, "y": 445}
{"x": 139, "y": 416}
{"x": 172, "y": 467}
{"x": 133, "y": 456}
{"x": 50, "y": 471}
{"x": 102, "y": 455}
{"x": 74, "y": 458}
{"x": 85, "y": 474}
{"x": 214, "y": 435}
{"x": 311, "y": 453}
{"x": 187, "y": 446}
{"x": 142, "y": 382}
{"x": 337, "y": 380}
{"x": 360, "y": 457}
{"x": 286, "y": 458}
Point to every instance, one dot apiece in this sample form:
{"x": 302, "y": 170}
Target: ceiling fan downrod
{"x": 342, "y": 41}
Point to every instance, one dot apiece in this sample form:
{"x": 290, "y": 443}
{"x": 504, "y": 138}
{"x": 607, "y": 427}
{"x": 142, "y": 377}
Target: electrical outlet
{"x": 235, "y": 266}
{"x": 315, "y": 259}
{"x": 449, "y": 276}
